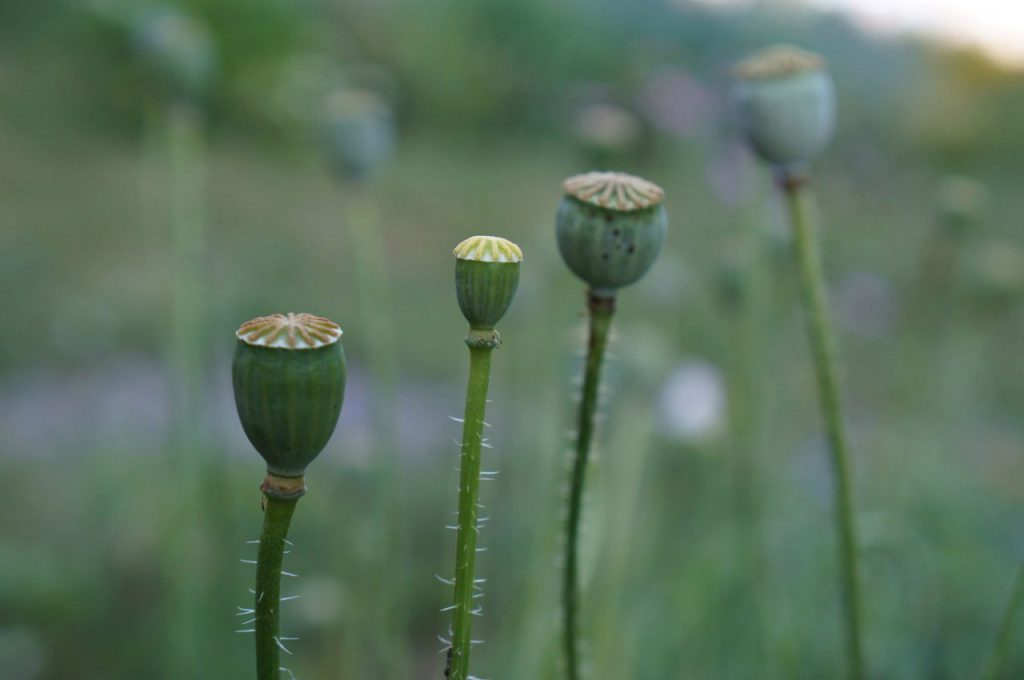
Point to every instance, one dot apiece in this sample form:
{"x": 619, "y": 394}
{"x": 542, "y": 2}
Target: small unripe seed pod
{"x": 785, "y": 103}
{"x": 289, "y": 379}
{"x": 486, "y": 278}
{"x": 610, "y": 228}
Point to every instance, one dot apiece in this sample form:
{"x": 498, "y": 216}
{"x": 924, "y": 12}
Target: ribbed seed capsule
{"x": 486, "y": 278}
{"x": 610, "y": 228}
{"x": 289, "y": 380}
{"x": 785, "y": 101}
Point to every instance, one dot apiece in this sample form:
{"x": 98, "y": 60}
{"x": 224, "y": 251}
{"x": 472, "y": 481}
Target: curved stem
{"x": 276, "y": 519}
{"x": 822, "y": 343}
{"x": 469, "y": 494}
{"x": 1001, "y": 643}
{"x": 601, "y": 311}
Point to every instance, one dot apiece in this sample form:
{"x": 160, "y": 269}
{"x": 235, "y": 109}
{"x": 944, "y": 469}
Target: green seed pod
{"x": 360, "y": 133}
{"x": 177, "y": 53}
{"x": 610, "y": 227}
{"x": 289, "y": 378}
{"x": 963, "y": 205}
{"x": 786, "y": 105}
{"x": 486, "y": 278}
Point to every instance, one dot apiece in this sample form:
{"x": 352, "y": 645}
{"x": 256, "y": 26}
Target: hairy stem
{"x": 822, "y": 343}
{"x": 1001, "y": 643}
{"x": 277, "y": 517}
{"x": 601, "y": 311}
{"x": 469, "y": 495}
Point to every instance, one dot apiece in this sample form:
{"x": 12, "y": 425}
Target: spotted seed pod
{"x": 785, "y": 103}
{"x": 289, "y": 379}
{"x": 610, "y": 228}
{"x": 486, "y": 278}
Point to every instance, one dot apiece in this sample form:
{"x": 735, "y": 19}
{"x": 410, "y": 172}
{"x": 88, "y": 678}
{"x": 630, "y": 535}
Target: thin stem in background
{"x": 624, "y": 512}
{"x": 601, "y": 311}
{"x": 197, "y": 479}
{"x": 188, "y": 243}
{"x": 812, "y": 288}
{"x": 745, "y": 404}
{"x": 360, "y": 218}
{"x": 276, "y": 519}
{"x": 468, "y": 526}
{"x": 1001, "y": 643}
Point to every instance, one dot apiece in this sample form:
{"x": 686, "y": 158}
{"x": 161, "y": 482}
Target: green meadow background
{"x": 138, "y": 232}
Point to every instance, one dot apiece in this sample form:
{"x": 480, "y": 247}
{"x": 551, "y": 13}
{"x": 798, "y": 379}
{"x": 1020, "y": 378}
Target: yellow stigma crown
{"x": 488, "y": 249}
{"x": 289, "y": 331}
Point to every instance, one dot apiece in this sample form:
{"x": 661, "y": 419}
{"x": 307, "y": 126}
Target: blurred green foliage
{"x": 699, "y": 566}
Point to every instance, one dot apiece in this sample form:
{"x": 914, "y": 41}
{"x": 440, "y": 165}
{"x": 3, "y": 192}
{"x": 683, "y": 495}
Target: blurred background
{"x": 169, "y": 171}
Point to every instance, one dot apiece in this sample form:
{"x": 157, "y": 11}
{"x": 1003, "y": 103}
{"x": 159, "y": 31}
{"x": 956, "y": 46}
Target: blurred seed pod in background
{"x": 962, "y": 205}
{"x": 610, "y": 228}
{"x": 177, "y": 53}
{"x": 289, "y": 381}
{"x": 359, "y": 130}
{"x": 785, "y": 104}
{"x": 606, "y": 133}
{"x": 995, "y": 273}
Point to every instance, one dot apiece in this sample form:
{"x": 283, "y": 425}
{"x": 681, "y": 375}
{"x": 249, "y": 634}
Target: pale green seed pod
{"x": 963, "y": 205}
{"x": 289, "y": 380}
{"x": 785, "y": 103}
{"x": 177, "y": 53}
{"x": 610, "y": 228}
{"x": 486, "y": 278}
{"x": 360, "y": 132}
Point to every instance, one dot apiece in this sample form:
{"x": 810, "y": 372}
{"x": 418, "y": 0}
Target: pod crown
{"x": 488, "y": 249}
{"x": 289, "y": 331}
{"x": 778, "y": 61}
{"x": 614, "y": 191}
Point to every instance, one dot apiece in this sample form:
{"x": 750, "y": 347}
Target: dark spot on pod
{"x": 604, "y": 256}
{"x": 615, "y": 232}
{"x": 608, "y": 218}
{"x": 631, "y": 249}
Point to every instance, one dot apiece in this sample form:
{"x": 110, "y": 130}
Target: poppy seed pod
{"x": 610, "y": 227}
{"x": 963, "y": 204}
{"x": 785, "y": 103}
{"x": 176, "y": 51}
{"x": 486, "y": 278}
{"x": 360, "y": 133}
{"x": 289, "y": 379}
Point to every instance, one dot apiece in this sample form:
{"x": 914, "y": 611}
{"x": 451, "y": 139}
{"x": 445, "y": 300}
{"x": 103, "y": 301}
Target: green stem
{"x": 184, "y": 180}
{"x": 469, "y": 494}
{"x": 822, "y": 343}
{"x": 277, "y": 517}
{"x": 362, "y": 226}
{"x": 747, "y": 477}
{"x": 188, "y": 239}
{"x": 1001, "y": 643}
{"x": 601, "y": 311}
